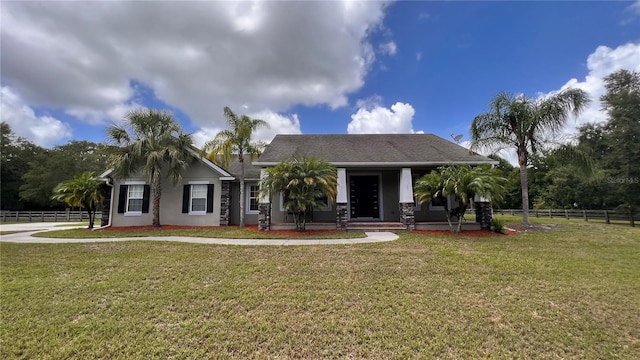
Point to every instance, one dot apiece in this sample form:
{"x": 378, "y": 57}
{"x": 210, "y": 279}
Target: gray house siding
{"x": 171, "y": 209}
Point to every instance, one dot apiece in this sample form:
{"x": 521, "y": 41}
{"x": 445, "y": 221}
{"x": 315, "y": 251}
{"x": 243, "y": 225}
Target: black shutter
{"x": 185, "y": 199}
{"x": 145, "y": 199}
{"x": 209, "y": 198}
{"x": 122, "y": 199}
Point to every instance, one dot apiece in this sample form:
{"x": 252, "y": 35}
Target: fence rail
{"x": 608, "y": 216}
{"x": 45, "y": 216}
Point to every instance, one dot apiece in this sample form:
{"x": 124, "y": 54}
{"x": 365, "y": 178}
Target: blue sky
{"x": 71, "y": 69}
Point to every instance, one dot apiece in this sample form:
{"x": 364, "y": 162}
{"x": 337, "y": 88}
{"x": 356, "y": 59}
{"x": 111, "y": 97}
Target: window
{"x": 135, "y": 198}
{"x": 439, "y": 202}
{"x": 251, "y": 194}
{"x": 326, "y": 204}
{"x": 198, "y": 198}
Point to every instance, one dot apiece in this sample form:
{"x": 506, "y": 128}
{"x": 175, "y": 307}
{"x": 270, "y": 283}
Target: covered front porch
{"x": 372, "y": 198}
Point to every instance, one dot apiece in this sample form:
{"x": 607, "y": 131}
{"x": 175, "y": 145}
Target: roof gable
{"x": 370, "y": 149}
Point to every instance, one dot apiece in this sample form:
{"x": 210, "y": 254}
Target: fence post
{"x": 17, "y": 216}
{"x": 67, "y": 213}
{"x": 566, "y": 214}
{"x": 631, "y": 220}
{"x": 584, "y": 214}
{"x": 550, "y": 215}
{"x": 42, "y": 216}
{"x": 55, "y": 216}
{"x": 30, "y": 215}
{"x": 606, "y": 217}
{"x": 537, "y": 213}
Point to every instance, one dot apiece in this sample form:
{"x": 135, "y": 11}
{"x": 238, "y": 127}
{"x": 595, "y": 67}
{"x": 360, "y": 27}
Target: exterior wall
{"x": 249, "y": 219}
{"x": 171, "y": 201}
{"x": 319, "y": 215}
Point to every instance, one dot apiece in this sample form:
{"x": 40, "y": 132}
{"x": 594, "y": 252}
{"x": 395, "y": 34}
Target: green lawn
{"x": 573, "y": 292}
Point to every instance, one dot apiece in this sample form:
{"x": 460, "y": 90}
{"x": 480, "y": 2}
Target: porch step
{"x": 376, "y": 226}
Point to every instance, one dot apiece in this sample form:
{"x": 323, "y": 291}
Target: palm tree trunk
{"x": 156, "y": 192}
{"x": 242, "y": 194}
{"x": 524, "y": 185}
{"x": 460, "y": 217}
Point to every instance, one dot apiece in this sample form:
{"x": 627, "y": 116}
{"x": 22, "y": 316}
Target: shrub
{"x": 497, "y": 225}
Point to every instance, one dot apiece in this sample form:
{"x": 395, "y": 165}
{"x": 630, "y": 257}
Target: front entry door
{"x": 364, "y": 197}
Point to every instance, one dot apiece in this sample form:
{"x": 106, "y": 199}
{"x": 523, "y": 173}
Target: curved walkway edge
{"x": 26, "y": 238}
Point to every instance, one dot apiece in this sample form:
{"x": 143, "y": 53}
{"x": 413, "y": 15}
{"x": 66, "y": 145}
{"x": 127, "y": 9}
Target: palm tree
{"x": 83, "y": 191}
{"x": 308, "y": 182}
{"x": 462, "y": 182}
{"x": 154, "y": 143}
{"x": 525, "y": 124}
{"x": 236, "y": 140}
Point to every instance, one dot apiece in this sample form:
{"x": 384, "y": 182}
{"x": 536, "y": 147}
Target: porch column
{"x": 341, "y": 200}
{"x": 264, "y": 207}
{"x": 484, "y": 212}
{"x": 225, "y": 203}
{"x": 407, "y": 216}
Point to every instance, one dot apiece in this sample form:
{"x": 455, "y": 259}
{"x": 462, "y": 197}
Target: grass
{"x": 229, "y": 232}
{"x": 572, "y": 292}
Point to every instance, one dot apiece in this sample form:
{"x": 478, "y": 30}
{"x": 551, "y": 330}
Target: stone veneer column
{"x": 225, "y": 203}
{"x": 264, "y": 216}
{"x": 264, "y": 207}
{"x": 342, "y": 221}
{"x": 407, "y": 215}
{"x": 484, "y": 214}
{"x": 106, "y": 205}
{"x": 342, "y": 218}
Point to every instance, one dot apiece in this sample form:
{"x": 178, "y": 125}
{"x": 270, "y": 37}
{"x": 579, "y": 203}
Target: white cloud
{"x": 42, "y": 130}
{"x": 389, "y": 48}
{"x": 635, "y": 7}
{"x": 195, "y": 56}
{"x": 372, "y": 118}
{"x": 419, "y": 56}
{"x": 602, "y": 62}
{"x": 278, "y": 124}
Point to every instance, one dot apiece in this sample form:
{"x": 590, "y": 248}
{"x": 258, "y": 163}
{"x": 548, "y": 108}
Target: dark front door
{"x": 364, "y": 196}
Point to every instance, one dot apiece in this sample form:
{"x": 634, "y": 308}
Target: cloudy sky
{"x": 69, "y": 69}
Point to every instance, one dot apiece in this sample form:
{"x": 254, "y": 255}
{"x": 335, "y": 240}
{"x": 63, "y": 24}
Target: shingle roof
{"x": 370, "y": 149}
{"x": 250, "y": 171}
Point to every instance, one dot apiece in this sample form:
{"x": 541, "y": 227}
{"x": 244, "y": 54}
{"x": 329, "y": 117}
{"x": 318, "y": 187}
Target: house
{"x": 375, "y": 185}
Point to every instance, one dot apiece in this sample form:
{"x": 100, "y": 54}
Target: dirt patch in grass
{"x": 520, "y": 227}
{"x": 467, "y": 233}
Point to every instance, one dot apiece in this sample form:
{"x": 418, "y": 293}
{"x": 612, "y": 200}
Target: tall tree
{"x": 53, "y": 166}
{"x": 463, "y": 183}
{"x": 152, "y": 142}
{"x": 622, "y": 135}
{"x": 525, "y": 124}
{"x": 83, "y": 191}
{"x": 236, "y": 140}
{"x": 15, "y": 155}
{"x": 307, "y": 182}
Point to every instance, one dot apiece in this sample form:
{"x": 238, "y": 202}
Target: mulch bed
{"x": 312, "y": 233}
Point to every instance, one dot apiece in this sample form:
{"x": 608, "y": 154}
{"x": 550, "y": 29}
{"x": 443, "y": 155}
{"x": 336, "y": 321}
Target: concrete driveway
{"x": 27, "y": 229}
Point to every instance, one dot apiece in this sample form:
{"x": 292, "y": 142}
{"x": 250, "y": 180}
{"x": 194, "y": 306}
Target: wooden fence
{"x": 608, "y": 216}
{"x": 45, "y": 216}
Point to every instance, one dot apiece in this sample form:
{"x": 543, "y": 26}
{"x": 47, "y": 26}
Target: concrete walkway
{"x": 32, "y": 228}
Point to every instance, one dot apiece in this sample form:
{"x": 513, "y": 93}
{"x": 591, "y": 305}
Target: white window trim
{"x": 126, "y": 210}
{"x": 431, "y": 207}
{"x": 206, "y": 194}
{"x": 247, "y": 207}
